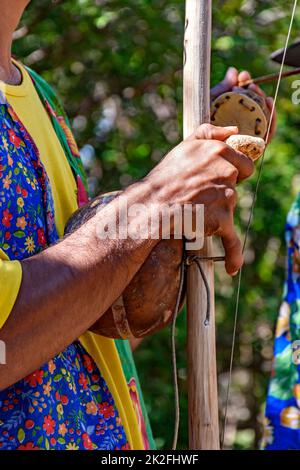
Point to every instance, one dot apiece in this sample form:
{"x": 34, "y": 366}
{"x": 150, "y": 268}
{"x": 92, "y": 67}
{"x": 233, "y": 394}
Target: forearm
{"x": 66, "y": 288}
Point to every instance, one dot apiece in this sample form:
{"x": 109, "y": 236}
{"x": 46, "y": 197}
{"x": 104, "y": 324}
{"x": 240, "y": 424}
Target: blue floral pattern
{"x": 66, "y": 404}
{"x": 282, "y": 417}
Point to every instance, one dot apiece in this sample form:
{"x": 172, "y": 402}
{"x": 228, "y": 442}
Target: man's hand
{"x": 68, "y": 287}
{"x": 231, "y": 82}
{"x": 204, "y": 170}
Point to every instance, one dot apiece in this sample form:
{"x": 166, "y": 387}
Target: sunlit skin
{"x": 66, "y": 288}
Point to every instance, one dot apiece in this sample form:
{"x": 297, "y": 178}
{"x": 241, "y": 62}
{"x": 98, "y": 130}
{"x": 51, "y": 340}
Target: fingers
{"x": 243, "y": 164}
{"x": 244, "y": 76}
{"x": 232, "y": 245}
{"x": 233, "y": 251}
{"x": 257, "y": 90}
{"x": 270, "y": 104}
{"x": 210, "y": 132}
{"x": 222, "y": 225}
{"x": 230, "y": 80}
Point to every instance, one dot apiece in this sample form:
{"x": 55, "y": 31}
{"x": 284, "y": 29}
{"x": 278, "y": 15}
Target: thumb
{"x": 210, "y": 132}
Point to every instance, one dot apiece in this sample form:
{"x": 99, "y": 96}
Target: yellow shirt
{"x": 28, "y": 107}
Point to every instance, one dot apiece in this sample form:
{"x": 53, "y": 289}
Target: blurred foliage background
{"x": 117, "y": 65}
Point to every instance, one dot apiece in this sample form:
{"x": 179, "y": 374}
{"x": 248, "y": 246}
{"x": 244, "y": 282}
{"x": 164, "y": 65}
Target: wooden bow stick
{"x": 202, "y": 371}
{"x": 202, "y": 374}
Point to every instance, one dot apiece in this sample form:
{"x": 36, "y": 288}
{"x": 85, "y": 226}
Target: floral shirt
{"x": 282, "y": 417}
{"x": 66, "y": 404}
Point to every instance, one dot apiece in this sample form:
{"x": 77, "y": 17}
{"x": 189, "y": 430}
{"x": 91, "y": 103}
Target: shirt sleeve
{"x": 10, "y": 282}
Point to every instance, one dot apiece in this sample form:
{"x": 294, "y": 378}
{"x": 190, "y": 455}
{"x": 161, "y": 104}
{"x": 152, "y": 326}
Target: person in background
{"x": 282, "y": 414}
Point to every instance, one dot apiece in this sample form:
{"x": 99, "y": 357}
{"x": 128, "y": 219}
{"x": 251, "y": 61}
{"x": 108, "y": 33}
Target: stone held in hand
{"x": 252, "y": 147}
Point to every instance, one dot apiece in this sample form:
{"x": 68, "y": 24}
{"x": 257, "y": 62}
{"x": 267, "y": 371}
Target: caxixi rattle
{"x": 148, "y": 303}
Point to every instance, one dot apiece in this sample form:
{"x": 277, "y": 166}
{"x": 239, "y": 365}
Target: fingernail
{"x": 234, "y": 274}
